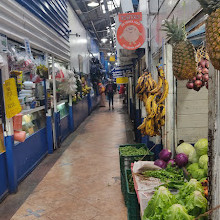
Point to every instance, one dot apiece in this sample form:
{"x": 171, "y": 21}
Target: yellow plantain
{"x": 159, "y": 86}
{"x": 154, "y": 109}
{"x": 165, "y": 92}
{"x": 142, "y": 126}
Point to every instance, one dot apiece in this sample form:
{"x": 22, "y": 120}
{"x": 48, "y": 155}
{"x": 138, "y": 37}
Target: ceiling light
{"x": 93, "y": 4}
{"x": 104, "y": 40}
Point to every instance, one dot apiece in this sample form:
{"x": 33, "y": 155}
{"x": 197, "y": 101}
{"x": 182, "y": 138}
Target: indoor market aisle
{"x": 84, "y": 182}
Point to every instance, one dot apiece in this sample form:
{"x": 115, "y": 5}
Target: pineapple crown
{"x": 176, "y": 32}
{"x": 209, "y": 6}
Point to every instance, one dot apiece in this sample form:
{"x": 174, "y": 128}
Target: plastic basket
{"x": 125, "y": 163}
{"x": 131, "y": 200}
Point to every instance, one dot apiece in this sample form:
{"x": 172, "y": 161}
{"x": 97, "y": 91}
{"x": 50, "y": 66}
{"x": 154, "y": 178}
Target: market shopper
{"x": 102, "y": 94}
{"x": 110, "y": 89}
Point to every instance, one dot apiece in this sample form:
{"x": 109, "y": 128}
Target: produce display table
{"x": 144, "y": 189}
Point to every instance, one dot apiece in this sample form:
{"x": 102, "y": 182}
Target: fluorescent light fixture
{"x": 93, "y": 4}
{"x": 104, "y": 40}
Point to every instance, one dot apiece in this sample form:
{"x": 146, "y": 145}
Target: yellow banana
{"x": 154, "y": 109}
{"x": 165, "y": 92}
{"x": 142, "y": 126}
{"x": 159, "y": 86}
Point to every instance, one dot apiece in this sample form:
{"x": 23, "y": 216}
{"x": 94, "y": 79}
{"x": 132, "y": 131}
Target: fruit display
{"x": 153, "y": 95}
{"x": 184, "y": 59}
{"x": 202, "y": 77}
{"x": 212, "y": 7}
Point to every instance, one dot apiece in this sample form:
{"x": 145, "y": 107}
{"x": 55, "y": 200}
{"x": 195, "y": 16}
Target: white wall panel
{"x": 78, "y": 45}
{"x": 192, "y": 113}
{"x": 184, "y": 10}
{"x": 18, "y": 23}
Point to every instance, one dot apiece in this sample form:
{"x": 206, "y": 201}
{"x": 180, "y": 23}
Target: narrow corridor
{"x": 84, "y": 182}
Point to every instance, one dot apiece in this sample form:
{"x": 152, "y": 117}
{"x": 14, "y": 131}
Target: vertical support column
{"x": 71, "y": 120}
{"x": 9, "y": 140}
{"x": 56, "y": 115}
{"x": 49, "y": 128}
{"x": 127, "y": 6}
{"x": 169, "y": 132}
{"x": 214, "y": 140}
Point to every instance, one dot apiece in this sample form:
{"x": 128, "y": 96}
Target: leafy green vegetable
{"x": 133, "y": 151}
{"x": 159, "y": 203}
{"x": 203, "y": 161}
{"x": 131, "y": 183}
{"x": 201, "y": 146}
{"x": 196, "y": 203}
{"x": 171, "y": 176}
{"x": 177, "y": 211}
{"x": 196, "y": 172}
{"x": 188, "y": 188}
{"x": 193, "y": 157}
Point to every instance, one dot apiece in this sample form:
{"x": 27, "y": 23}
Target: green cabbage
{"x": 206, "y": 169}
{"x": 160, "y": 202}
{"x": 177, "y": 211}
{"x": 185, "y": 148}
{"x": 201, "y": 147}
{"x": 187, "y": 189}
{"x": 196, "y": 204}
{"x": 193, "y": 167}
{"x": 193, "y": 157}
{"x": 203, "y": 161}
{"x": 196, "y": 172}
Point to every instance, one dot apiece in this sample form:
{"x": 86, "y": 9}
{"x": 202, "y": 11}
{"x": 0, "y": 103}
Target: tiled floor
{"x": 83, "y": 182}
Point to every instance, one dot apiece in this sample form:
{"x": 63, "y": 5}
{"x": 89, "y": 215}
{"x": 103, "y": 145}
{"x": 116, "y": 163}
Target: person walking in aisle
{"x": 110, "y": 89}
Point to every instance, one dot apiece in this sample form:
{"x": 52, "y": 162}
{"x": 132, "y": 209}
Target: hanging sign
{"x": 12, "y": 104}
{"x": 131, "y": 34}
{"x": 3, "y": 43}
{"x": 122, "y": 80}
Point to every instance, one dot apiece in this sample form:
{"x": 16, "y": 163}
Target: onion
{"x": 189, "y": 85}
{"x": 202, "y": 63}
{"x": 206, "y": 63}
{"x": 205, "y": 71}
{"x": 198, "y": 83}
{"x": 165, "y": 155}
{"x": 199, "y": 76}
{"x": 196, "y": 88}
{"x": 181, "y": 160}
{"x": 160, "y": 163}
{"x": 172, "y": 161}
{"x": 206, "y": 77}
{"x": 194, "y": 79}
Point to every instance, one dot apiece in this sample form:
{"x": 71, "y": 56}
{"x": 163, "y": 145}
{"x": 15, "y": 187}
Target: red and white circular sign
{"x": 131, "y": 35}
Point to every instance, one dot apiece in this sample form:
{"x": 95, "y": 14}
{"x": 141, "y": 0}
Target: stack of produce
{"x": 165, "y": 155}
{"x": 133, "y": 151}
{"x": 153, "y": 95}
{"x": 197, "y": 156}
{"x": 187, "y": 204}
{"x": 184, "y": 60}
{"x": 202, "y": 77}
{"x": 212, "y": 7}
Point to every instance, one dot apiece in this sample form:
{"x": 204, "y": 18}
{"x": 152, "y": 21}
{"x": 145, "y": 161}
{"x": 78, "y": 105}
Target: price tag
{"x": 12, "y": 104}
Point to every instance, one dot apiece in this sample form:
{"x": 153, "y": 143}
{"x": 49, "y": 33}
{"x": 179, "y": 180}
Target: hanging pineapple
{"x": 184, "y": 61}
{"x": 212, "y": 7}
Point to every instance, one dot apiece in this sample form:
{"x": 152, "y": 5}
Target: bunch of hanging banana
{"x": 153, "y": 95}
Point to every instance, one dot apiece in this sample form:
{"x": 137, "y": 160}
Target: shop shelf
{"x": 131, "y": 200}
{"x": 31, "y": 111}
